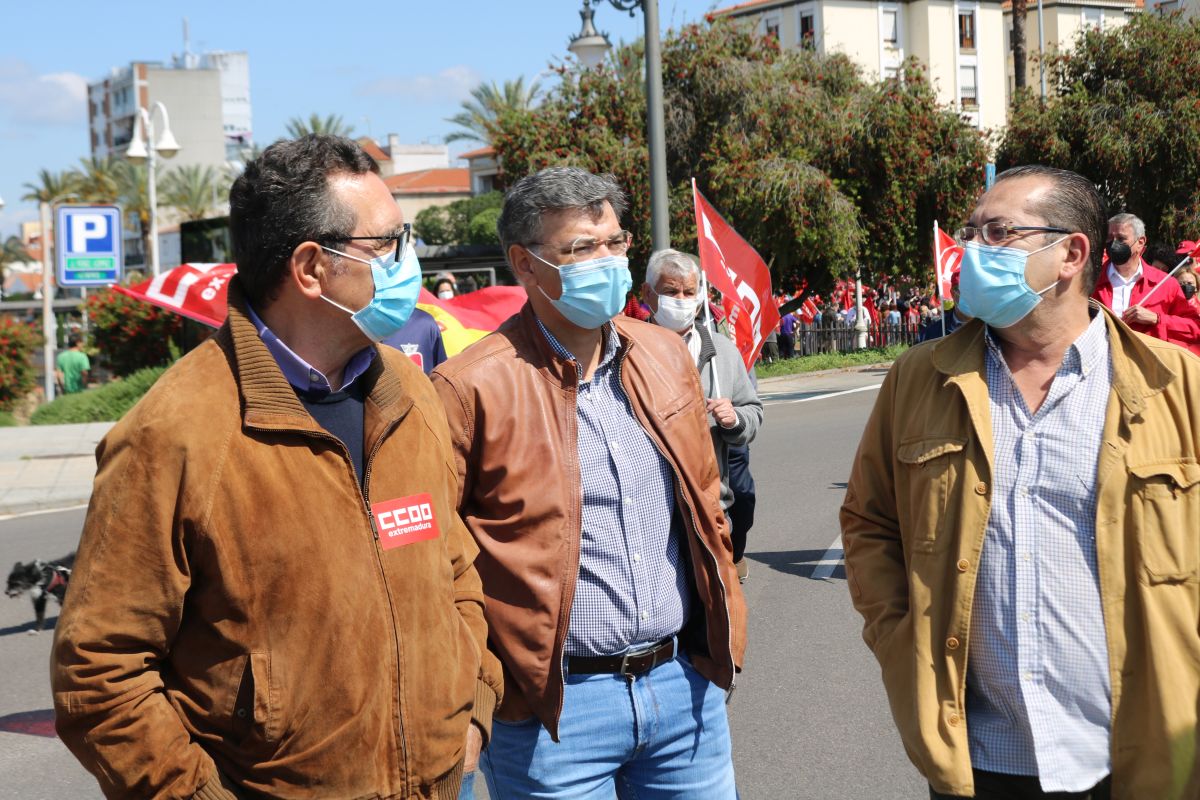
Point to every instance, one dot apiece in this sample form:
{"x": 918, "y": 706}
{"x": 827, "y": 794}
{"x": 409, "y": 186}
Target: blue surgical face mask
{"x": 992, "y": 285}
{"x": 593, "y": 291}
{"x": 397, "y": 286}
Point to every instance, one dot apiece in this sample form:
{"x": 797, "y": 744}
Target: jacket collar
{"x": 268, "y": 400}
{"x": 708, "y": 350}
{"x": 562, "y": 371}
{"x": 1137, "y": 373}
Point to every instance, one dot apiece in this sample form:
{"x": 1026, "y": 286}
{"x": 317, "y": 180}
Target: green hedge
{"x": 106, "y": 403}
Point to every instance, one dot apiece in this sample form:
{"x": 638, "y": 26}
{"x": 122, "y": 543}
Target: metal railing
{"x": 841, "y": 337}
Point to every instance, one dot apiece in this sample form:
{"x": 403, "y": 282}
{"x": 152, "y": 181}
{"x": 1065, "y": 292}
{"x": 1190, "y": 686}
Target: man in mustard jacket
{"x": 1020, "y": 526}
{"x": 274, "y": 594}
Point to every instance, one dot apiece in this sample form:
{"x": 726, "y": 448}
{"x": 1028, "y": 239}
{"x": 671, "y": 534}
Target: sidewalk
{"x": 47, "y": 466}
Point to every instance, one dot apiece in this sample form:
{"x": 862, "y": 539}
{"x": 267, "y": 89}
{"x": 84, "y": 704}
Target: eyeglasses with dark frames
{"x": 402, "y": 239}
{"x": 585, "y": 247}
{"x": 999, "y": 232}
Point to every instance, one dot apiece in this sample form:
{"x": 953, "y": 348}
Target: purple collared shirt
{"x": 299, "y": 373}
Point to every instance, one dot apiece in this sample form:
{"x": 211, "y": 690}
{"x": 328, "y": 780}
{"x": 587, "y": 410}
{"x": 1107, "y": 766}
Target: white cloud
{"x": 56, "y": 98}
{"x": 451, "y": 84}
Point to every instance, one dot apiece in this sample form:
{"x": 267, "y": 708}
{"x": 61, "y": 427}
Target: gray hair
{"x": 1139, "y": 227}
{"x": 672, "y": 263}
{"x": 554, "y": 189}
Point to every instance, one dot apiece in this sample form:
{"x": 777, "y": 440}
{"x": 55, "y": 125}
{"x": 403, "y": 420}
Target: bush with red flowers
{"x": 130, "y": 334}
{"x": 18, "y": 341}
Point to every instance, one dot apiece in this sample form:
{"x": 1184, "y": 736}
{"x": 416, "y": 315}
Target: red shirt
{"x": 1178, "y": 320}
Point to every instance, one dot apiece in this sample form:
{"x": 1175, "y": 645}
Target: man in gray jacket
{"x": 672, "y": 291}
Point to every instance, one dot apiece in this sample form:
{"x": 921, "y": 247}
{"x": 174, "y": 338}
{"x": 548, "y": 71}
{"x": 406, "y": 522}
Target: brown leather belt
{"x": 635, "y": 663}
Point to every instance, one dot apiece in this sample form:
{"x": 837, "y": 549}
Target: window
{"x": 890, "y": 25}
{"x": 966, "y": 30}
{"x": 890, "y": 73}
{"x": 968, "y": 93}
{"x": 1092, "y": 18}
{"x": 808, "y": 31}
{"x": 771, "y": 27}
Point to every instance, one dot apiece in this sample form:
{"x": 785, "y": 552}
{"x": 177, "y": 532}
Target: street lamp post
{"x": 590, "y": 46}
{"x": 144, "y": 146}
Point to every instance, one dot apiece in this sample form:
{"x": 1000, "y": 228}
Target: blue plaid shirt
{"x": 1038, "y": 694}
{"x": 632, "y": 588}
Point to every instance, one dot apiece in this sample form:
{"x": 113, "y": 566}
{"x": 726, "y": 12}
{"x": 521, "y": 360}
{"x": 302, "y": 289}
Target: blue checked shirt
{"x": 1038, "y": 694}
{"x": 632, "y": 588}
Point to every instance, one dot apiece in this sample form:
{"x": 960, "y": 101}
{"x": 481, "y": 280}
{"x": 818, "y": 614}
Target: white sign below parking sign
{"x": 88, "y": 243}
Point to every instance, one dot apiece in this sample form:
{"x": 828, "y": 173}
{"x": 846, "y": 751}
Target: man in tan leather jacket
{"x": 1020, "y": 525}
{"x": 274, "y": 594}
{"x": 589, "y": 480}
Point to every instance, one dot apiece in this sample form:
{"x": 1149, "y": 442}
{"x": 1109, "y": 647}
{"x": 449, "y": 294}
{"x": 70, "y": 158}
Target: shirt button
{"x": 1027, "y": 556}
{"x": 953, "y": 720}
{"x": 1027, "y": 675}
{"x": 1025, "y": 616}
{"x": 637, "y": 556}
{"x": 241, "y": 713}
{"x": 963, "y": 565}
{"x": 1025, "y": 490}
{"x": 615, "y": 445}
{"x": 628, "y": 501}
{"x": 645, "y": 615}
{"x": 952, "y": 643}
{"x": 981, "y": 488}
{"x": 314, "y": 376}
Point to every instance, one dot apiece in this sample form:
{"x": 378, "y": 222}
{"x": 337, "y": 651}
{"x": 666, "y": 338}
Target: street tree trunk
{"x": 1019, "y": 8}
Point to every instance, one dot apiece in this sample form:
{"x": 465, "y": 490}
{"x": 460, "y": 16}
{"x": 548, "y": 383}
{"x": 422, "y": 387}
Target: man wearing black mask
{"x": 1128, "y": 284}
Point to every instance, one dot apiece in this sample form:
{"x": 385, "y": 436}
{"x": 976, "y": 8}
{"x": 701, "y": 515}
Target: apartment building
{"x": 959, "y": 42}
{"x": 1065, "y": 20}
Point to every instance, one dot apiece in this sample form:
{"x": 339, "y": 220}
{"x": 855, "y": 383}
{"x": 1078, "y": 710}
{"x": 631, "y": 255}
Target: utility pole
{"x": 1019, "y": 10}
{"x": 49, "y": 323}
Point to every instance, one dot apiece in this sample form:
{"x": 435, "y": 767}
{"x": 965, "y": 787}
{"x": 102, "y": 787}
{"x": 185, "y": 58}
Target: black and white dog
{"x": 41, "y": 578}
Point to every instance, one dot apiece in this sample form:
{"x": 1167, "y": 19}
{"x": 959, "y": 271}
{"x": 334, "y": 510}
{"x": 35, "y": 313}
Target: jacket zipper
{"x": 695, "y": 530}
{"x": 565, "y": 623}
{"x": 363, "y": 493}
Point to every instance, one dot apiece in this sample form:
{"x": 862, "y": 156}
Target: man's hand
{"x": 1139, "y": 315}
{"x": 722, "y": 410}
{"x": 474, "y": 745}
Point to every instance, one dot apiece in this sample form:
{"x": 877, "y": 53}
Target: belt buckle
{"x": 648, "y": 651}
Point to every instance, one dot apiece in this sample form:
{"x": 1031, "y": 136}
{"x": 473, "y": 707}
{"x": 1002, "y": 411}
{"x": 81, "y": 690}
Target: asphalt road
{"x": 809, "y": 717}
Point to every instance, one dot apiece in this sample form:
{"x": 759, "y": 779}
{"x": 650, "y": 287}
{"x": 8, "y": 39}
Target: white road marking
{"x": 825, "y": 567}
{"x": 823, "y": 396}
{"x": 39, "y": 512}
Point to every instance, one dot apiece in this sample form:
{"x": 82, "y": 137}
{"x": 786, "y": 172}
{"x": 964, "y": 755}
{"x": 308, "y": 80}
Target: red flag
{"x": 200, "y": 292}
{"x": 947, "y": 256}
{"x": 197, "y": 291}
{"x": 808, "y": 310}
{"x": 740, "y": 275}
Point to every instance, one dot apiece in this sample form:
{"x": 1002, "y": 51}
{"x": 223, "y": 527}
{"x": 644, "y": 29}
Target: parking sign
{"x": 88, "y": 242}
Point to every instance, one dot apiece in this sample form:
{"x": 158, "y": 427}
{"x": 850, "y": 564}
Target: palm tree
{"x": 98, "y": 180}
{"x": 11, "y": 252}
{"x": 134, "y": 195}
{"x": 194, "y": 191}
{"x": 332, "y": 125}
{"x": 52, "y": 187}
{"x": 488, "y": 101}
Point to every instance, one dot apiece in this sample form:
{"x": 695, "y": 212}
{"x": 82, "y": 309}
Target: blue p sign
{"x": 90, "y": 233}
{"x": 89, "y": 245}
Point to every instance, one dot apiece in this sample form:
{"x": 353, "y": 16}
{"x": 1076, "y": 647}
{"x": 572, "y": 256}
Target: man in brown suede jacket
{"x": 274, "y": 594}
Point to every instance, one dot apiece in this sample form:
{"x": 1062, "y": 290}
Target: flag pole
{"x": 1170, "y": 275}
{"x": 937, "y": 275}
{"x": 716, "y": 386}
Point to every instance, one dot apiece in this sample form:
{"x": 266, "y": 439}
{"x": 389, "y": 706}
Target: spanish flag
{"x": 467, "y": 318}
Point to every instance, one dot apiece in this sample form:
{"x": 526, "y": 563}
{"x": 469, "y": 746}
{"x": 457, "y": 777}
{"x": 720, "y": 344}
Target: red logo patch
{"x": 405, "y": 520}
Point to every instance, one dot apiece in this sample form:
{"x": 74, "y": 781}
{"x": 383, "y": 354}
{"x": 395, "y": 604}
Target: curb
{"x": 793, "y": 376}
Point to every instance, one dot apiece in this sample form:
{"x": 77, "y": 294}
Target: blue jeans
{"x": 467, "y": 790}
{"x": 660, "y": 735}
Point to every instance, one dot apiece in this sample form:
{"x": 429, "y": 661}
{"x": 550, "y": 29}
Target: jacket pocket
{"x": 932, "y": 464}
{"x": 1166, "y": 518}
{"x": 256, "y": 707}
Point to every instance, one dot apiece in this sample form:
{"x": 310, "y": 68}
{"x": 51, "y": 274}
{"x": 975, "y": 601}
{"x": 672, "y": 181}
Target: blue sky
{"x": 386, "y": 68}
